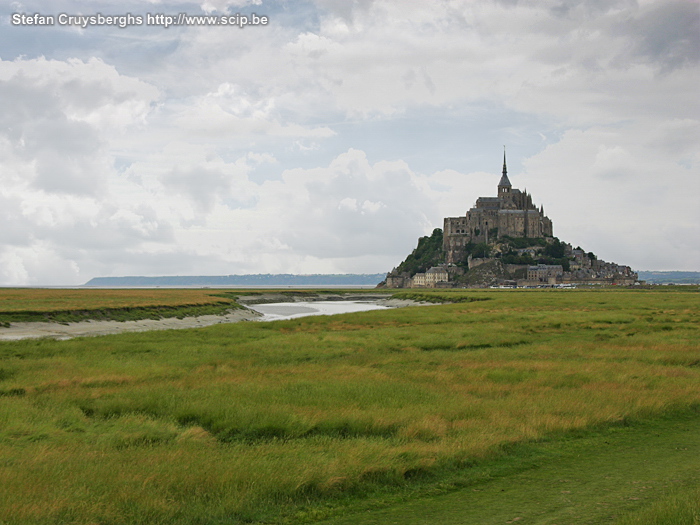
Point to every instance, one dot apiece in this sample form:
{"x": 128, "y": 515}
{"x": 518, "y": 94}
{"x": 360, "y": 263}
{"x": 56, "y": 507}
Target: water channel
{"x": 269, "y": 311}
{"x": 282, "y": 311}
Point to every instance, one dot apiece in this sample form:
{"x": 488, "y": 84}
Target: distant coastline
{"x": 318, "y": 280}
{"x": 670, "y": 277}
{"x": 254, "y": 280}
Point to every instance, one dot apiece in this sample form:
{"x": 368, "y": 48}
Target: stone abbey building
{"x": 511, "y": 214}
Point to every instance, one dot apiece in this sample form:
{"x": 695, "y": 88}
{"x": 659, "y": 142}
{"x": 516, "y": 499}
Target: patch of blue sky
{"x": 465, "y": 138}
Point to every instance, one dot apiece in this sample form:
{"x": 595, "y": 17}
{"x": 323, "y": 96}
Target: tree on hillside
{"x": 481, "y": 250}
{"x": 523, "y": 242}
{"x": 428, "y": 253}
{"x": 555, "y": 249}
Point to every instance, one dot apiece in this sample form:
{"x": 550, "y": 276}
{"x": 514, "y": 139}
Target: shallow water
{"x": 271, "y": 312}
{"x": 281, "y": 311}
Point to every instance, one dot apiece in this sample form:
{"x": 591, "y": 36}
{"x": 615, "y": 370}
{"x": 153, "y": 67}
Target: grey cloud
{"x": 669, "y": 35}
{"x": 106, "y": 235}
{"x": 15, "y": 229}
{"x": 52, "y": 251}
{"x": 508, "y": 3}
{"x": 344, "y": 8}
{"x": 591, "y": 8}
{"x": 57, "y": 172}
{"x": 360, "y": 209}
{"x": 64, "y": 155}
{"x": 201, "y": 185}
{"x": 29, "y": 104}
{"x": 45, "y": 124}
{"x": 83, "y": 93}
{"x": 59, "y": 135}
{"x": 108, "y": 227}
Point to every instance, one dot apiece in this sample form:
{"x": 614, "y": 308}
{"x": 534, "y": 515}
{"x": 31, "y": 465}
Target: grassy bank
{"x": 63, "y": 306}
{"x": 300, "y": 420}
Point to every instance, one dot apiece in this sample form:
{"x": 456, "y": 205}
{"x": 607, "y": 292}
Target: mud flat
{"x": 62, "y": 331}
{"x": 320, "y": 304}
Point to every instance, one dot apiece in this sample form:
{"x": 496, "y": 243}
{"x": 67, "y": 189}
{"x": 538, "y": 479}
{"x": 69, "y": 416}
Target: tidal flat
{"x": 323, "y": 417}
{"x": 216, "y": 307}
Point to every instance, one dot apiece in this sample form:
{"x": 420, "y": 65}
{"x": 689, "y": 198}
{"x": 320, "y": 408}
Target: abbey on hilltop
{"x": 510, "y": 214}
{"x": 502, "y": 241}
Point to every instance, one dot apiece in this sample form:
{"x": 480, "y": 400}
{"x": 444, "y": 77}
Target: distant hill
{"x": 670, "y": 277}
{"x": 343, "y": 279}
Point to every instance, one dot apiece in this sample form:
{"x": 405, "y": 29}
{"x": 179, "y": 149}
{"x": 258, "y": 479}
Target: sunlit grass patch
{"x": 46, "y": 300}
{"x": 55, "y": 305}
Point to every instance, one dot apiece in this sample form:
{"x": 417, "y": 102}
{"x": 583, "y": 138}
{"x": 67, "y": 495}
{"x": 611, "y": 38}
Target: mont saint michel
{"x": 504, "y": 240}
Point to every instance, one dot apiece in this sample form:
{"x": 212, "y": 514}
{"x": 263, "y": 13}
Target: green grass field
{"x": 57, "y": 305}
{"x": 52, "y": 300}
{"x": 324, "y": 417}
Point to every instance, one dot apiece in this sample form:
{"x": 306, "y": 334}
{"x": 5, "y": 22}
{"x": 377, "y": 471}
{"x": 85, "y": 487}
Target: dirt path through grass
{"x": 592, "y": 480}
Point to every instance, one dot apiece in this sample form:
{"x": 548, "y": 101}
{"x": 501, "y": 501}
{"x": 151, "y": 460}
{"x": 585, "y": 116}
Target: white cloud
{"x": 632, "y": 202}
{"x": 220, "y": 150}
{"x": 60, "y": 117}
{"x": 210, "y": 6}
{"x": 229, "y": 113}
{"x": 353, "y": 208}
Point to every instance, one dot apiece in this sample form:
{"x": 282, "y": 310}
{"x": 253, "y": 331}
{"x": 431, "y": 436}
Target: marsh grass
{"x": 292, "y": 420}
{"x": 65, "y": 306}
{"x": 682, "y": 507}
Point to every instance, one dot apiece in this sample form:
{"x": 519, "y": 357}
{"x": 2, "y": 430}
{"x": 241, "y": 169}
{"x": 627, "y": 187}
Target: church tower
{"x": 504, "y": 185}
{"x": 511, "y": 214}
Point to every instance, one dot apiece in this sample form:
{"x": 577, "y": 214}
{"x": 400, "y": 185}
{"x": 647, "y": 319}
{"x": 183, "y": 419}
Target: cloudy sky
{"x": 329, "y": 139}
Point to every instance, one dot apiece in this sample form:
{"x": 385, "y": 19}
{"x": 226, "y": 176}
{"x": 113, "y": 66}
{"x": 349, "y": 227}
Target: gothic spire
{"x": 505, "y": 183}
